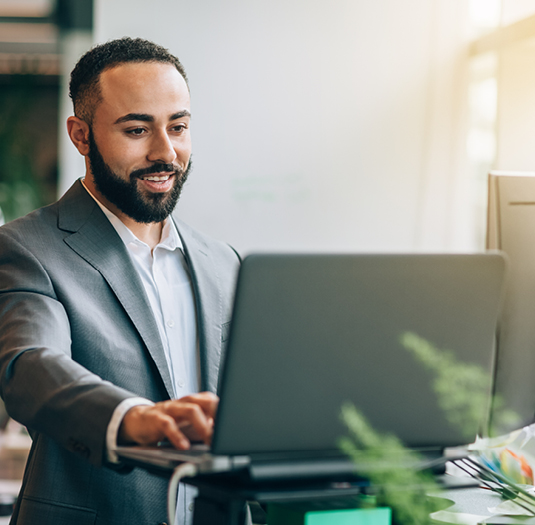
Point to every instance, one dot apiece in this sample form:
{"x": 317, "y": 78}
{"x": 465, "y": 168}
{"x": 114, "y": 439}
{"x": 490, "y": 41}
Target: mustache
{"x": 158, "y": 167}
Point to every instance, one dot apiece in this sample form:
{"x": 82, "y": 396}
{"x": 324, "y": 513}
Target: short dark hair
{"x": 84, "y": 88}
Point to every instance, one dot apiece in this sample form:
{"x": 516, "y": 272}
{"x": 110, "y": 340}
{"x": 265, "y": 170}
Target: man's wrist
{"x": 112, "y": 432}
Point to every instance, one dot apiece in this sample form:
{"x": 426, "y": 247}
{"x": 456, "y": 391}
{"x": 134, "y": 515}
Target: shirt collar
{"x": 170, "y": 239}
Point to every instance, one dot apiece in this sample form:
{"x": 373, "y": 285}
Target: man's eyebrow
{"x": 180, "y": 114}
{"x": 144, "y": 117}
{"x": 135, "y": 116}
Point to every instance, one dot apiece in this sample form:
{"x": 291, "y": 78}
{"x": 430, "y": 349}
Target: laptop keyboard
{"x": 196, "y": 450}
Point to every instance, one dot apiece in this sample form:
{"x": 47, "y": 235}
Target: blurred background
{"x": 339, "y": 126}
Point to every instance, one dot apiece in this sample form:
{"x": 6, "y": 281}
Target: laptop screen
{"x": 311, "y": 332}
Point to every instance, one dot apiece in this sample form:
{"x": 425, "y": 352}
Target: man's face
{"x": 139, "y": 143}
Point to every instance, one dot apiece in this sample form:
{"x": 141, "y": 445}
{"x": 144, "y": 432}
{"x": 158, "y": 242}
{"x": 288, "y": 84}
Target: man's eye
{"x": 180, "y": 128}
{"x": 136, "y": 131}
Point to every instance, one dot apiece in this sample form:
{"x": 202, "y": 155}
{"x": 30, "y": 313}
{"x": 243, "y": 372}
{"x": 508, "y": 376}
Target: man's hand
{"x": 190, "y": 418}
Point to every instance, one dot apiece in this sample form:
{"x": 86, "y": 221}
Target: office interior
{"x": 317, "y": 126}
{"x": 347, "y": 127}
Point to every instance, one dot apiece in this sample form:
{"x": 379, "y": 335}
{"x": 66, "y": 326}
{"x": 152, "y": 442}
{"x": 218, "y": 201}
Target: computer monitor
{"x": 511, "y": 228}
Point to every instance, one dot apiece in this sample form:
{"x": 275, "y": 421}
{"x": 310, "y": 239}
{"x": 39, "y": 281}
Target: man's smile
{"x": 157, "y": 178}
{"x": 159, "y": 182}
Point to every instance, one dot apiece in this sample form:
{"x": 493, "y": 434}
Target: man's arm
{"x": 49, "y": 392}
{"x": 42, "y": 387}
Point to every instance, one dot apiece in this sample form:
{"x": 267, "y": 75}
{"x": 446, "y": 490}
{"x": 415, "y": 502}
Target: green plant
{"x": 463, "y": 389}
{"x": 463, "y": 392}
{"x": 391, "y": 468}
{"x": 20, "y": 191}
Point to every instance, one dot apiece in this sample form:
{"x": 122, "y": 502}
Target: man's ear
{"x": 78, "y": 131}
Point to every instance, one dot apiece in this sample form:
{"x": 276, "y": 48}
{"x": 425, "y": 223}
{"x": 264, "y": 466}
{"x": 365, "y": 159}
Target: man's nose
{"x": 161, "y": 149}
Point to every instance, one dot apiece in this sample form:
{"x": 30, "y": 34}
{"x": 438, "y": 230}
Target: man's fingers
{"x": 148, "y": 425}
{"x": 190, "y": 416}
{"x": 176, "y": 420}
{"x": 170, "y": 430}
{"x": 206, "y": 400}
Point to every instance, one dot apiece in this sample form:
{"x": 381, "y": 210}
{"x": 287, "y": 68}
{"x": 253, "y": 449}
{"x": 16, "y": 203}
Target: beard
{"x": 140, "y": 206}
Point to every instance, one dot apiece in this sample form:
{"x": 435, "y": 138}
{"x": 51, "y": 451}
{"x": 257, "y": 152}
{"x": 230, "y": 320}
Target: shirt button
{"x": 181, "y": 383}
{"x": 170, "y": 323}
{"x": 190, "y": 506}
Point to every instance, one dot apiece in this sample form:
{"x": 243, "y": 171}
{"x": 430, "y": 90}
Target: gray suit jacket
{"x": 77, "y": 336}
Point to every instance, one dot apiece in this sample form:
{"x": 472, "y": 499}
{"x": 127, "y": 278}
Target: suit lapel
{"x": 94, "y": 239}
{"x": 208, "y": 299}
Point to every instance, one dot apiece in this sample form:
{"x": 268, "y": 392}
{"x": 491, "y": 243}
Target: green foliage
{"x": 19, "y": 188}
{"x": 463, "y": 389}
{"x": 391, "y": 468}
{"x": 463, "y": 392}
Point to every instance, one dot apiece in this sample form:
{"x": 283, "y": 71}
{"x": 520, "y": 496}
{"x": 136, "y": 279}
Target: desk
{"x": 469, "y": 506}
{"x": 221, "y": 503}
{"x": 222, "y": 497}
{"x": 221, "y": 500}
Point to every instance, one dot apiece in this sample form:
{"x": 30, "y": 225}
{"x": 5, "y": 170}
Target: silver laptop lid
{"x": 310, "y": 332}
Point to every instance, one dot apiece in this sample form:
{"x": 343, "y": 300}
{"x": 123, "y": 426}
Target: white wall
{"x": 316, "y": 125}
{"x": 516, "y": 107}
{"x": 514, "y": 10}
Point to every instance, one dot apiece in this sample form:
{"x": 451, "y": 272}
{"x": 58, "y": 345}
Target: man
{"x": 112, "y": 314}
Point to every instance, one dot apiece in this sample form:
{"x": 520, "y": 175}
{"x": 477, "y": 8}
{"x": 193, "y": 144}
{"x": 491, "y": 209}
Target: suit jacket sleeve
{"x": 42, "y": 386}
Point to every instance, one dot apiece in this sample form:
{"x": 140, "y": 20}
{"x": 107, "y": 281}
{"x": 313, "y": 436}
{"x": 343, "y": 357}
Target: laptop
{"x": 311, "y": 332}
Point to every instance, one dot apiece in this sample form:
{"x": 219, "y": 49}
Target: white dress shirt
{"x": 167, "y": 283}
{"x": 166, "y": 279}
